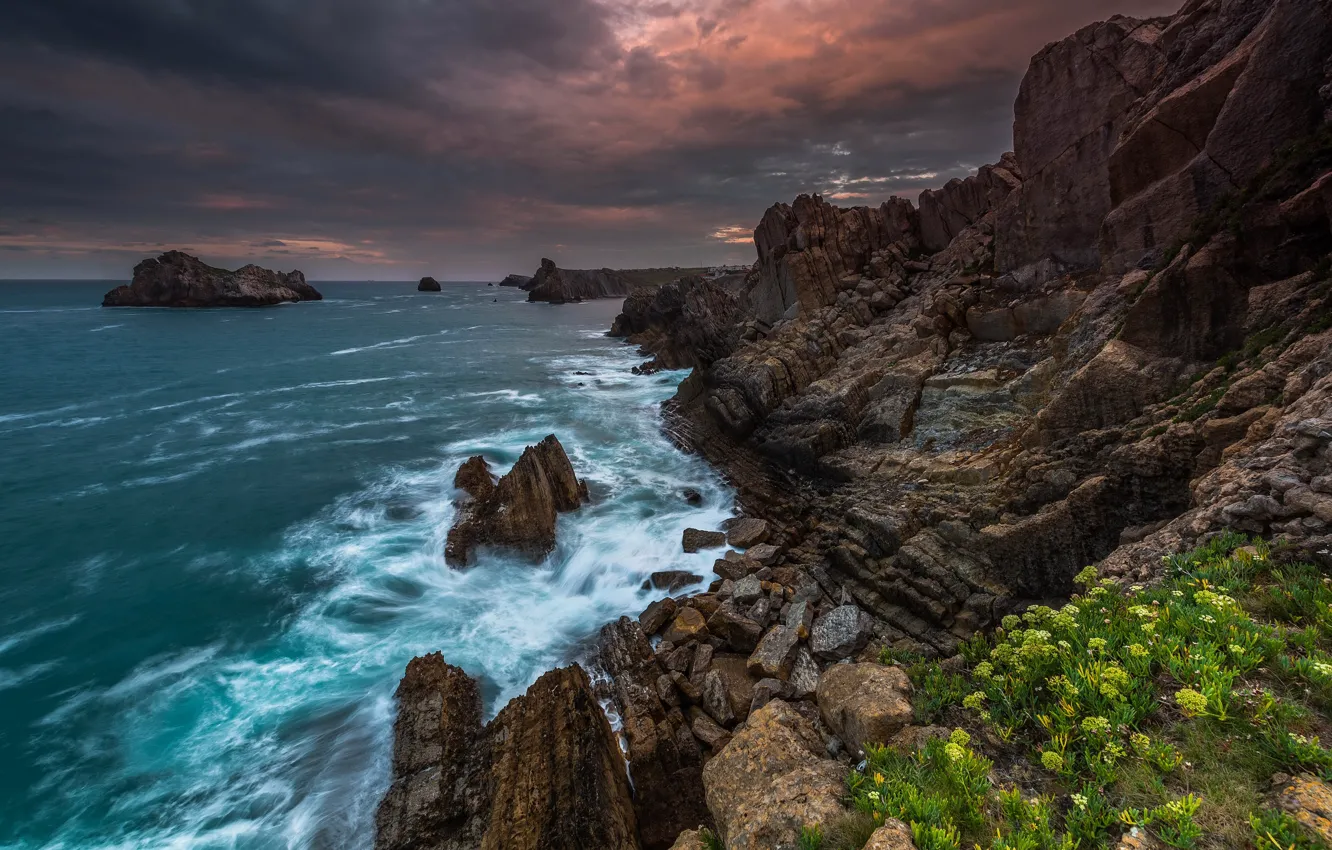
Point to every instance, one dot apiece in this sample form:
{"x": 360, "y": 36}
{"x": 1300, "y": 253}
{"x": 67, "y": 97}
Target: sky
{"x": 466, "y": 139}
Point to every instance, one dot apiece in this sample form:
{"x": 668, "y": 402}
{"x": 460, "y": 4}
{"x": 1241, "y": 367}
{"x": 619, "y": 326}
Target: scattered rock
{"x": 840, "y": 633}
{"x": 657, "y": 615}
{"x": 549, "y": 754}
{"x": 689, "y": 624}
{"x": 775, "y": 654}
{"x": 1307, "y": 799}
{"x": 671, "y": 580}
{"x": 893, "y": 835}
{"x": 695, "y": 540}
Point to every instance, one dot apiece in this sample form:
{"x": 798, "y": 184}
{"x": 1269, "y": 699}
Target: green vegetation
{"x": 1166, "y": 708}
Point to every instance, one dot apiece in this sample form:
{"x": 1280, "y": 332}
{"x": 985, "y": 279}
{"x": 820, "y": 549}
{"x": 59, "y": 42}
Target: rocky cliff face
{"x": 176, "y": 279}
{"x": 521, "y": 281}
{"x": 1063, "y": 359}
{"x": 545, "y": 774}
{"x": 560, "y": 286}
{"x": 518, "y": 512}
{"x": 688, "y": 322}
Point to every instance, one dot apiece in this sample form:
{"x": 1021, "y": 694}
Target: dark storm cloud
{"x": 374, "y": 137}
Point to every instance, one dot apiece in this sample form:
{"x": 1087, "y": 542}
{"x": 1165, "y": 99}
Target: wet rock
{"x": 176, "y": 279}
{"x": 840, "y": 633}
{"x": 740, "y": 633}
{"x": 520, "y": 513}
{"x": 695, "y": 540}
{"x": 671, "y": 580}
{"x": 768, "y": 690}
{"x": 428, "y": 284}
{"x": 475, "y": 478}
{"x": 771, "y": 781}
{"x": 775, "y": 654}
{"x": 549, "y": 754}
{"x": 864, "y": 703}
{"x": 747, "y": 532}
{"x": 692, "y": 496}
{"x": 658, "y": 614}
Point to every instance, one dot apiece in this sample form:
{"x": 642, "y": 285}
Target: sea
{"x": 222, "y": 539}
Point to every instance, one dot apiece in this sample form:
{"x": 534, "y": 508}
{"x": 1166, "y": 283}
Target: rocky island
{"x": 428, "y": 284}
{"x": 176, "y": 279}
{"x": 1113, "y": 347}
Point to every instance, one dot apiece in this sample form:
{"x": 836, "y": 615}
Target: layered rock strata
{"x": 176, "y": 279}
{"x": 545, "y": 774}
{"x": 560, "y": 286}
{"x": 519, "y": 511}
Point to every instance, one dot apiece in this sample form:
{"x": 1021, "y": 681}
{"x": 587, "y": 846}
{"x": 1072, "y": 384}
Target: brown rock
{"x": 864, "y": 703}
{"x": 893, "y": 835}
{"x": 475, "y": 478}
{"x": 671, "y": 580}
{"x": 740, "y": 633}
{"x": 688, "y": 625}
{"x": 775, "y": 654}
{"x": 664, "y": 759}
{"x": 520, "y": 513}
{"x": 695, "y": 540}
{"x": 771, "y": 781}
{"x": 747, "y": 532}
{"x": 545, "y": 773}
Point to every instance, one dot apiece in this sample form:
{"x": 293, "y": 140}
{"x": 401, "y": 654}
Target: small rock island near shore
{"x": 177, "y": 279}
{"x": 428, "y": 284}
{"x": 518, "y": 512}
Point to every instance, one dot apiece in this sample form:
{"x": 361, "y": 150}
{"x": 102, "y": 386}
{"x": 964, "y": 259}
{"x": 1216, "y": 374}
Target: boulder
{"x": 671, "y": 580}
{"x": 893, "y": 835}
{"x": 775, "y": 654}
{"x": 545, "y": 773}
{"x": 864, "y": 703}
{"x": 1309, "y": 801}
{"x": 747, "y": 532}
{"x": 840, "y": 633}
{"x": 772, "y": 780}
{"x": 695, "y": 540}
{"x": 176, "y": 279}
{"x": 428, "y": 284}
{"x": 520, "y": 512}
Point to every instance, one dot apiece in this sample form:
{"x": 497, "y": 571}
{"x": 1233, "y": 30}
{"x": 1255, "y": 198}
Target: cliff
{"x": 1107, "y": 348}
{"x": 560, "y": 286}
{"x": 1080, "y": 354}
{"x": 176, "y": 279}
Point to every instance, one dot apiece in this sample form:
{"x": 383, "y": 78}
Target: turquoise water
{"x": 221, "y": 540}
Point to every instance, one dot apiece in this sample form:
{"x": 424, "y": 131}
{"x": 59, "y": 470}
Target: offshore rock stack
{"x": 1107, "y": 347}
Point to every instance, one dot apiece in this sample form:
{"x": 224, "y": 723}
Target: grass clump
{"x": 1166, "y": 708}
